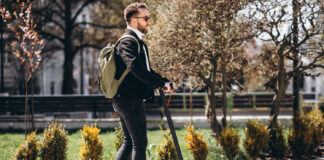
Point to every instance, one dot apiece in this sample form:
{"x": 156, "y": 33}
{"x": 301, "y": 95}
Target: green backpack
{"x": 107, "y": 83}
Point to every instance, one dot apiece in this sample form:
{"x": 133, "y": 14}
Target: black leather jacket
{"x": 139, "y": 82}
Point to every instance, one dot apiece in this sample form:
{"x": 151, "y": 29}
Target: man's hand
{"x": 168, "y": 86}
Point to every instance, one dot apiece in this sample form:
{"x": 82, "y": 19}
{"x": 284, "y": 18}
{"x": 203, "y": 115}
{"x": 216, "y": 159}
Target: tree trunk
{"x": 281, "y": 89}
{"x": 296, "y": 98}
{"x": 26, "y": 107}
{"x": 211, "y": 113}
{"x": 67, "y": 87}
{"x": 224, "y": 101}
{"x": 2, "y": 56}
{"x": 190, "y": 105}
{"x": 295, "y": 61}
{"x": 32, "y": 103}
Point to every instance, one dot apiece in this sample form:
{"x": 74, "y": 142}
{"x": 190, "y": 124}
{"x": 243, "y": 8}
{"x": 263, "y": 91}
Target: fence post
{"x": 253, "y": 101}
{"x": 184, "y": 101}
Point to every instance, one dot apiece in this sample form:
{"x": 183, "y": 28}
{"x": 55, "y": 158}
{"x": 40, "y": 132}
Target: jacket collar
{"x": 132, "y": 33}
{"x": 138, "y": 33}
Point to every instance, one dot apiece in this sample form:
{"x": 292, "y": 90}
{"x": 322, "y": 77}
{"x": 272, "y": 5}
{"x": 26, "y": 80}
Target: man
{"x": 137, "y": 86}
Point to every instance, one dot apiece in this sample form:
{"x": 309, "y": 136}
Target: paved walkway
{"x": 236, "y": 117}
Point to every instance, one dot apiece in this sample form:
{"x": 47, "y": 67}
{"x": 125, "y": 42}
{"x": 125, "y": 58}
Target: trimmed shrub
{"x": 91, "y": 148}
{"x": 166, "y": 150}
{"x": 277, "y": 141}
{"x": 29, "y": 149}
{"x": 196, "y": 143}
{"x": 229, "y": 140}
{"x": 306, "y": 133}
{"x": 53, "y": 144}
{"x": 257, "y": 138}
{"x": 118, "y": 137}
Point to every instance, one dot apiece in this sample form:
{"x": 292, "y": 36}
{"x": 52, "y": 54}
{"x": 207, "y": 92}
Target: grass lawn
{"x": 9, "y": 142}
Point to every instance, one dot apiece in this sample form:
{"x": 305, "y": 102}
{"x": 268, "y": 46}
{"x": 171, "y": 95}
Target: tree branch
{"x": 58, "y": 24}
{"x": 205, "y": 80}
{"x": 86, "y": 46}
{"x": 99, "y": 25}
{"x": 52, "y": 36}
{"x": 80, "y": 9}
{"x": 57, "y": 13}
{"x": 58, "y": 6}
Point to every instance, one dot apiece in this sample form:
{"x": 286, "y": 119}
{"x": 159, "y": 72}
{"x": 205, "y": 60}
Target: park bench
{"x": 176, "y": 101}
{"x": 309, "y": 101}
{"x": 98, "y": 105}
{"x": 266, "y": 101}
{"x": 15, "y": 105}
{"x": 309, "y": 96}
{"x": 243, "y": 101}
{"x": 44, "y": 104}
{"x": 198, "y": 102}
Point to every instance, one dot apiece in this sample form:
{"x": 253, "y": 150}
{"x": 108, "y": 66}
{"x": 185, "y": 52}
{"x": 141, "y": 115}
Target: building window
{"x": 40, "y": 3}
{"x": 7, "y": 58}
{"x": 313, "y": 89}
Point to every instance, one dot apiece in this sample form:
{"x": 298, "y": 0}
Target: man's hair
{"x": 132, "y": 10}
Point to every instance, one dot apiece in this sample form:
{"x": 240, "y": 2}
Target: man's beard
{"x": 141, "y": 28}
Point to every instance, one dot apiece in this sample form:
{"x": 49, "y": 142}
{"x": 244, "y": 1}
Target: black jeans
{"x": 133, "y": 123}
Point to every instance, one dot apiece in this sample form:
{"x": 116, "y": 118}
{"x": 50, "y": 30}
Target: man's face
{"x": 142, "y": 20}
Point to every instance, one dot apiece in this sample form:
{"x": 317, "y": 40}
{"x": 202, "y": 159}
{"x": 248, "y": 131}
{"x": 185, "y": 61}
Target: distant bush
{"x": 306, "y": 134}
{"x": 91, "y": 148}
{"x": 53, "y": 144}
{"x": 277, "y": 141}
{"x": 257, "y": 138}
{"x": 229, "y": 140}
{"x": 29, "y": 149}
{"x": 118, "y": 137}
{"x": 196, "y": 143}
{"x": 166, "y": 150}
{"x": 214, "y": 152}
{"x": 151, "y": 152}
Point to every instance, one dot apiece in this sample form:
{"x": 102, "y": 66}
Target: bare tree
{"x": 27, "y": 47}
{"x": 201, "y": 39}
{"x": 269, "y": 18}
{"x": 61, "y": 29}
{"x": 103, "y": 14}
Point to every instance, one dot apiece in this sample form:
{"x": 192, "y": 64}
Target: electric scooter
{"x": 167, "y": 113}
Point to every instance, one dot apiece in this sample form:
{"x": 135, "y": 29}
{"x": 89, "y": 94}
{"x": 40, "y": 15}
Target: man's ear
{"x": 132, "y": 22}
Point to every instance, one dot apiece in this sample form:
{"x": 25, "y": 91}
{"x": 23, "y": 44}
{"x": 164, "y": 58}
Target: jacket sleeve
{"x": 128, "y": 52}
{"x": 157, "y": 74}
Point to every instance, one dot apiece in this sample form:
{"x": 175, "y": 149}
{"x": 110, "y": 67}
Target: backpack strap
{"x": 129, "y": 36}
{"x": 122, "y": 77}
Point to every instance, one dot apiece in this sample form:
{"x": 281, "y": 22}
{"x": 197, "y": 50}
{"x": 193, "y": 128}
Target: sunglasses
{"x": 146, "y": 18}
